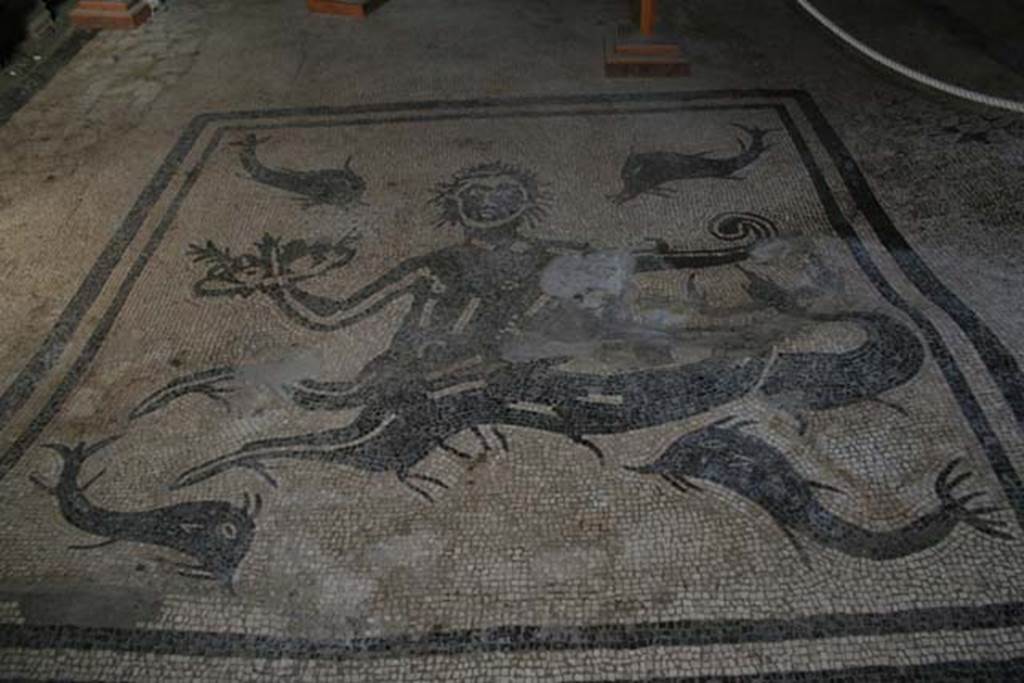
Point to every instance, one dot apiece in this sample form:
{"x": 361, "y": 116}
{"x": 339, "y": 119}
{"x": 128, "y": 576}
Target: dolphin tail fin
{"x": 755, "y": 132}
{"x": 250, "y": 142}
{"x": 81, "y": 451}
{"x": 757, "y": 136}
{"x": 977, "y": 517}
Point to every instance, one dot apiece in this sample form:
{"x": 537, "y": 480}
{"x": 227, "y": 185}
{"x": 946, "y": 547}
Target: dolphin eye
{"x": 228, "y": 530}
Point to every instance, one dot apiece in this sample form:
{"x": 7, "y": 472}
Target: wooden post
{"x": 644, "y": 49}
{"x": 648, "y": 12}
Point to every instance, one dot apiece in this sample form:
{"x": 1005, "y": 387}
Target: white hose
{"x": 924, "y": 79}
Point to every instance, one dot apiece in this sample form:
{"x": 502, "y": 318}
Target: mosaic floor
{"x": 582, "y": 387}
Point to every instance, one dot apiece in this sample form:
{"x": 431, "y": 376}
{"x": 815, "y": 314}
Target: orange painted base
{"x": 357, "y": 9}
{"x": 628, "y": 53}
{"x": 110, "y": 14}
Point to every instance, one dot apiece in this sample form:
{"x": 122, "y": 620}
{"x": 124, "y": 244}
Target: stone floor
{"x": 416, "y": 349}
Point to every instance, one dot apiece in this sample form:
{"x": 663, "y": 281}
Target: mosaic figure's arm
{"x": 325, "y": 314}
{"x": 662, "y": 258}
{"x": 739, "y": 231}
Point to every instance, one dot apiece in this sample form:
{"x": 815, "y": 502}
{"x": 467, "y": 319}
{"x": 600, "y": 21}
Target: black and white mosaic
{"x": 515, "y": 378}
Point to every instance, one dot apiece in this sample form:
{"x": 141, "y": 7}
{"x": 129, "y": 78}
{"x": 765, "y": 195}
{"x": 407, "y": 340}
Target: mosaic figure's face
{"x": 490, "y": 196}
{"x": 491, "y": 201}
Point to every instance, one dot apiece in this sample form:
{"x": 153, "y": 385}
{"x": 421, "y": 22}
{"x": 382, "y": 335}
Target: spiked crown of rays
{"x": 446, "y": 192}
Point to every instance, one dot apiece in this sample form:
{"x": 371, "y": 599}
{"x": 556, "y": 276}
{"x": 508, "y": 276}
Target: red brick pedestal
{"x": 357, "y": 9}
{"x": 117, "y": 14}
{"x": 646, "y": 50}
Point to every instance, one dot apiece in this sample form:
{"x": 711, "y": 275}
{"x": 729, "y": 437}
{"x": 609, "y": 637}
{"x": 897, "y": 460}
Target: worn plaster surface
{"x": 406, "y": 349}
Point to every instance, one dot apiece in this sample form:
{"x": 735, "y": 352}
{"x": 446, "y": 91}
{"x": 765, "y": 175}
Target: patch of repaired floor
{"x": 560, "y": 384}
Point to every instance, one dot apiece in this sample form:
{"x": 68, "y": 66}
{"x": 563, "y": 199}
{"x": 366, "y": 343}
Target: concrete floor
{"x": 524, "y": 387}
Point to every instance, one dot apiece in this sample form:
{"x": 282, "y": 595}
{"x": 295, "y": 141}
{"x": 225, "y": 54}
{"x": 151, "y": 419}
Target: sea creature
{"x": 209, "y": 383}
{"x": 387, "y": 436}
{"x": 404, "y": 421}
{"x": 648, "y": 172}
{"x": 215, "y": 534}
{"x": 890, "y": 355}
{"x": 399, "y": 428}
{"x": 748, "y": 466}
{"x": 338, "y": 187}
